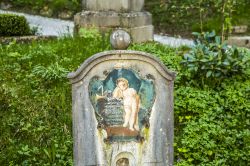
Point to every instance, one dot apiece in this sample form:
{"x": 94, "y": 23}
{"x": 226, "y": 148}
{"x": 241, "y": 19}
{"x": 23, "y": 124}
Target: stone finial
{"x": 120, "y": 40}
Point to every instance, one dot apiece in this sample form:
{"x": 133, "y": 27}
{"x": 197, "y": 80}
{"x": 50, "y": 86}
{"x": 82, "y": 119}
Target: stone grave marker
{"x": 122, "y": 108}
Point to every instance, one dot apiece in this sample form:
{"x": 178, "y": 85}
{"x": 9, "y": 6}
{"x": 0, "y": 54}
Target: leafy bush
{"x": 211, "y": 125}
{"x": 48, "y": 6}
{"x": 174, "y": 16}
{"x": 13, "y": 25}
{"x": 211, "y": 60}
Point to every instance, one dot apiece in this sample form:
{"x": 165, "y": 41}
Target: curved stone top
{"x": 114, "y": 5}
{"x": 117, "y": 55}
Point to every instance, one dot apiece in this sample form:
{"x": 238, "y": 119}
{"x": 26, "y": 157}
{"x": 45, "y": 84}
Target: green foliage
{"x": 211, "y": 125}
{"x": 52, "y": 72}
{"x": 207, "y": 15}
{"x": 168, "y": 16}
{"x": 56, "y": 6}
{"x": 209, "y": 61}
{"x": 241, "y": 14}
{"x": 61, "y": 5}
{"x": 13, "y": 25}
{"x": 35, "y": 97}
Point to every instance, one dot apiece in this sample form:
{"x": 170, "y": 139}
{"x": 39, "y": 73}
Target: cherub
{"x": 131, "y": 103}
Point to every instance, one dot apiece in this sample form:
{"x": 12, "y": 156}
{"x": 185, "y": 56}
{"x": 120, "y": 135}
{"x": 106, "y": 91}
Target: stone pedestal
{"x": 109, "y": 14}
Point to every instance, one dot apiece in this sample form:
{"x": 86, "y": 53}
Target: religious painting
{"x": 122, "y": 103}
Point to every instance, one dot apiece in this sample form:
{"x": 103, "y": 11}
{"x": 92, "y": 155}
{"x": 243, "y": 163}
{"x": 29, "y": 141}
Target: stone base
{"x": 142, "y": 34}
{"x": 240, "y": 41}
{"x": 138, "y": 24}
{"x": 240, "y": 29}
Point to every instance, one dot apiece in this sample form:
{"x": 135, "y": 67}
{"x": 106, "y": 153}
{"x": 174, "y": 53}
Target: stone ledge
{"x": 240, "y": 29}
{"x": 142, "y": 34}
{"x": 112, "y": 19}
{"x": 24, "y": 39}
{"x": 243, "y": 41}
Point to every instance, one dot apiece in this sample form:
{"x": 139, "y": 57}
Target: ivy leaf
{"x": 209, "y": 73}
{"x": 209, "y": 152}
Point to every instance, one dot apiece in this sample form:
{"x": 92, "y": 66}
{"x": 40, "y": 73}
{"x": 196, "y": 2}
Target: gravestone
{"x": 122, "y": 109}
{"x": 112, "y": 14}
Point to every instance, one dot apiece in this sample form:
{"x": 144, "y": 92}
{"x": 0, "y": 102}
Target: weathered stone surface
{"x": 112, "y": 19}
{"x": 46, "y": 11}
{"x": 240, "y": 29}
{"x": 65, "y": 14}
{"x": 241, "y": 41}
{"x": 90, "y": 147}
{"x": 142, "y": 34}
{"x": 111, "y": 5}
{"x": 109, "y": 14}
{"x": 138, "y": 24}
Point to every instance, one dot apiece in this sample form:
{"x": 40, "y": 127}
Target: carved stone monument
{"x": 122, "y": 109}
{"x": 111, "y": 14}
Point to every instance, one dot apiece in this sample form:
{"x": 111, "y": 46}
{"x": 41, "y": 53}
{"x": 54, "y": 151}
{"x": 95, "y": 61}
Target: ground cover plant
{"x": 46, "y": 7}
{"x": 14, "y": 25}
{"x": 211, "y": 60}
{"x": 211, "y": 123}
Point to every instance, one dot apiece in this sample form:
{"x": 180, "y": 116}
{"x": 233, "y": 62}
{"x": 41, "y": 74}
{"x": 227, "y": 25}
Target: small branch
{"x": 223, "y": 20}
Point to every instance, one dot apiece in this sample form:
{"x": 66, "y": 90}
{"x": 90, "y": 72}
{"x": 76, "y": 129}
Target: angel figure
{"x": 131, "y": 102}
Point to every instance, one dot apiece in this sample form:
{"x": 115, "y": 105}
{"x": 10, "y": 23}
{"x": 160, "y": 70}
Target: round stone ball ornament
{"x": 120, "y": 40}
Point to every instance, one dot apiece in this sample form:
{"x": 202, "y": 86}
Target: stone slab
{"x": 113, "y": 5}
{"x": 138, "y": 34}
{"x": 142, "y": 34}
{"x": 240, "y": 41}
{"x": 239, "y": 29}
{"x": 112, "y": 19}
{"x": 137, "y": 24}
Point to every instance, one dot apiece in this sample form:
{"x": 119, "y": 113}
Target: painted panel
{"x": 122, "y": 103}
